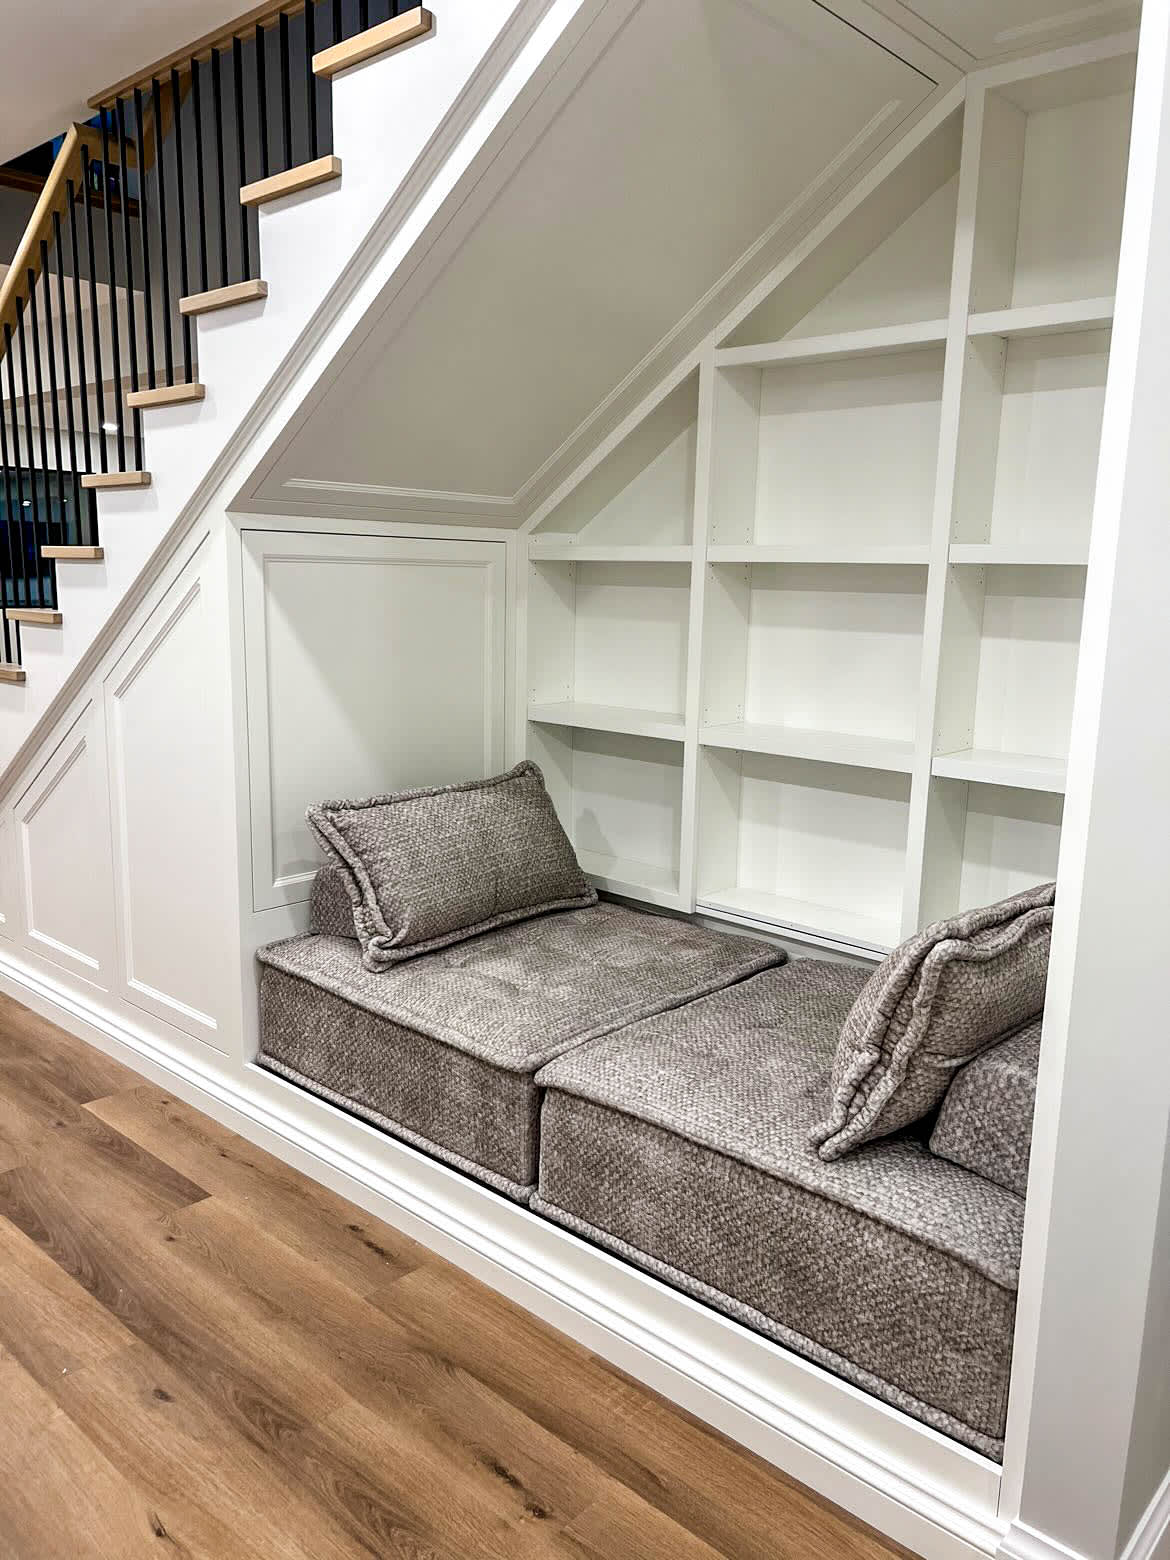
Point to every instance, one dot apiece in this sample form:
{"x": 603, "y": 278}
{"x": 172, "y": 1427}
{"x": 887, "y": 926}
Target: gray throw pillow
{"x": 424, "y": 869}
{"x": 940, "y": 999}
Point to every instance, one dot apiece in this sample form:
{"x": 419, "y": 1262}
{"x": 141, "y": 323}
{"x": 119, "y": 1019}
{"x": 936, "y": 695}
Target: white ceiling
{"x": 701, "y": 125}
{"x": 56, "y": 56}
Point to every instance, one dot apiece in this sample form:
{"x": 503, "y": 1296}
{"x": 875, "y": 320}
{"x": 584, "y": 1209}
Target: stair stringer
{"x": 397, "y": 121}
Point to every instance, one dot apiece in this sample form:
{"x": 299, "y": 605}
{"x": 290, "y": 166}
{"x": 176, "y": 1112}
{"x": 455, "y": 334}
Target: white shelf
{"x": 1027, "y": 554}
{"x": 835, "y": 348}
{"x": 829, "y": 747}
{"x": 1044, "y": 319}
{"x": 986, "y": 766}
{"x": 567, "y": 552}
{"x": 802, "y": 916}
{"x": 816, "y": 552}
{"x": 632, "y": 879}
{"x": 617, "y": 718}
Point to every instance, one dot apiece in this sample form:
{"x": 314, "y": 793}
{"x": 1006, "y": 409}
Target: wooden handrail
{"x": 242, "y": 26}
{"x": 54, "y": 197}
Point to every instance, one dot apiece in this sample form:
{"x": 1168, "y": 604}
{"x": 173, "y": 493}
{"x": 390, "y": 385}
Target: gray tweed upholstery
{"x": 425, "y": 869}
{"x": 443, "y": 1050}
{"x": 936, "y": 1002}
{"x": 683, "y": 1144}
{"x": 985, "y": 1123}
{"x": 330, "y": 907}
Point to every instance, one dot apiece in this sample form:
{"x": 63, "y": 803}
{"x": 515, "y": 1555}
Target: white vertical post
{"x": 1091, "y": 1240}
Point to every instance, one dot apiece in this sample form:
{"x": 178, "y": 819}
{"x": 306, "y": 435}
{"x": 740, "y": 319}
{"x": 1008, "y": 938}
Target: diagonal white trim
{"x": 1150, "y": 1540}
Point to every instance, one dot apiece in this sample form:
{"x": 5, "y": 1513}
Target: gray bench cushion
{"x": 985, "y": 1123}
{"x": 442, "y": 1049}
{"x": 683, "y": 1145}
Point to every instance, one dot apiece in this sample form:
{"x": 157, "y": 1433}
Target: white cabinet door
{"x": 373, "y": 664}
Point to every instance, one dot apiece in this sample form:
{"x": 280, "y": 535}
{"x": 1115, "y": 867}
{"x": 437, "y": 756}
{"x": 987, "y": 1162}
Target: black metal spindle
{"x": 22, "y": 576}
{"x": 220, "y": 179}
{"x": 131, "y": 308}
{"x": 181, "y": 205}
{"x": 94, "y": 322}
{"x": 200, "y": 208}
{"x": 311, "y": 80}
{"x": 144, "y": 237}
{"x": 262, "y": 97}
{"x": 337, "y": 21}
{"x": 11, "y": 537}
{"x": 160, "y": 189}
{"x": 112, "y": 285}
{"x": 363, "y": 15}
{"x": 54, "y": 389}
{"x": 285, "y": 92}
{"x": 39, "y": 381}
{"x": 241, "y": 153}
{"x": 34, "y": 496}
{"x": 67, "y": 369}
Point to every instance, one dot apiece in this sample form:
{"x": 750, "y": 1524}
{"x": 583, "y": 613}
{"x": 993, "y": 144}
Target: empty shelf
{"x": 830, "y": 922}
{"x": 988, "y": 766}
{"x": 828, "y": 747}
{"x": 1044, "y": 319}
{"x": 611, "y": 717}
{"x": 830, "y": 349}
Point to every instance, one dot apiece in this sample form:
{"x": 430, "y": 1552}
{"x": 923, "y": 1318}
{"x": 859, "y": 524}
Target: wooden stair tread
{"x": 75, "y": 554}
{"x": 116, "y": 479}
{"x": 11, "y": 672}
{"x": 223, "y": 297}
{"x": 374, "y": 41}
{"x": 303, "y": 177}
{"x": 46, "y": 615}
{"x": 166, "y": 395}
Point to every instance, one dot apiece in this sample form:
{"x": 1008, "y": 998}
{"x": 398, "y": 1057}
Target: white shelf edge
{"x": 619, "y": 719}
{"x": 910, "y": 555}
{"x": 730, "y": 905}
{"x": 836, "y": 348}
{"x": 1022, "y": 555}
{"x": 827, "y": 747}
{"x": 568, "y": 553}
{"x": 1018, "y": 771}
{"x": 633, "y": 879}
{"x": 1044, "y": 319}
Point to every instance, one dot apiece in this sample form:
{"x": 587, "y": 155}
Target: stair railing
{"x": 148, "y": 217}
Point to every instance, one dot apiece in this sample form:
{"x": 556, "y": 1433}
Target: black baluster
{"x": 53, "y": 387}
{"x": 21, "y": 586}
{"x": 262, "y": 97}
{"x": 310, "y": 79}
{"x": 160, "y": 187}
{"x": 32, "y": 539}
{"x": 241, "y": 153}
{"x": 115, "y": 323}
{"x": 44, "y": 534}
{"x": 285, "y": 92}
{"x": 200, "y": 212}
{"x": 131, "y": 310}
{"x": 94, "y": 324}
{"x": 220, "y": 179}
{"x": 363, "y": 15}
{"x": 11, "y": 505}
{"x": 67, "y": 366}
{"x": 144, "y": 235}
{"x": 181, "y": 204}
{"x": 337, "y": 21}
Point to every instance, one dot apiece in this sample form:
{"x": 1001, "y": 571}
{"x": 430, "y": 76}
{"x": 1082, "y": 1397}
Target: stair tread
{"x": 303, "y": 177}
{"x": 166, "y": 395}
{"x": 223, "y": 297}
{"x": 75, "y": 554}
{"x": 116, "y": 479}
{"x": 374, "y": 41}
{"x": 11, "y": 672}
{"x": 47, "y": 615}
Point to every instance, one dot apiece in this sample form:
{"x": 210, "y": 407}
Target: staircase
{"x": 148, "y": 223}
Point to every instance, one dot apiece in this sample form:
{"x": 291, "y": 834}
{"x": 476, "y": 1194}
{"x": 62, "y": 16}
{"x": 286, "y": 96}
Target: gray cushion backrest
{"x": 985, "y": 1123}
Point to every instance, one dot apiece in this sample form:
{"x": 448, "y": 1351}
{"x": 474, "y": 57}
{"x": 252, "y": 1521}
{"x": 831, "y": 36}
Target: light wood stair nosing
{"x": 74, "y": 554}
{"x": 100, "y": 480}
{"x": 48, "y": 617}
{"x": 223, "y": 297}
{"x": 11, "y": 672}
{"x": 303, "y": 177}
{"x": 166, "y": 395}
{"x": 374, "y": 41}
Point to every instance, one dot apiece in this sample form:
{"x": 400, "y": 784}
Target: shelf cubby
{"x": 813, "y": 848}
{"x": 782, "y": 647}
{"x": 639, "y": 496}
{"x": 611, "y": 637}
{"x": 986, "y": 841}
{"x": 619, "y": 798}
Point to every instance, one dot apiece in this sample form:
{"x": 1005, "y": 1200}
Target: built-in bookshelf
{"x": 803, "y": 633}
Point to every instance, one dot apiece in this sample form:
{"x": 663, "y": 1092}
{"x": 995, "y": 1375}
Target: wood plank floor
{"x": 205, "y": 1355}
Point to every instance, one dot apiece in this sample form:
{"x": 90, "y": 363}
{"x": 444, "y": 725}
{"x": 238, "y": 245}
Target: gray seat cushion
{"x": 442, "y": 1049}
{"x": 682, "y": 1144}
{"x": 985, "y": 1123}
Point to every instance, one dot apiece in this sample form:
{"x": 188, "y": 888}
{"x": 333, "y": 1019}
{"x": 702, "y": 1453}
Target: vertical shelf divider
{"x": 700, "y": 534}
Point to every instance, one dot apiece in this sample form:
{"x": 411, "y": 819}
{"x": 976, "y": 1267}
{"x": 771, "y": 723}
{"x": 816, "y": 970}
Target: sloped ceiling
{"x": 703, "y": 124}
{"x": 989, "y": 29}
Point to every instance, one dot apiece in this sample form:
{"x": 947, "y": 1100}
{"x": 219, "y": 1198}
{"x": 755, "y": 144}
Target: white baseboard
{"x": 1022, "y": 1542}
{"x": 922, "y": 1489}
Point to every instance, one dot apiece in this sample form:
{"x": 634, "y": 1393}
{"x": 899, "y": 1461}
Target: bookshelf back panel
{"x": 627, "y": 798}
{"x": 1028, "y": 659}
{"x": 1011, "y": 842}
{"x": 630, "y": 634}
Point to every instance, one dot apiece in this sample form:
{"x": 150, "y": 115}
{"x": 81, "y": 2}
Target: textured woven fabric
{"x": 445, "y": 1047}
{"x": 425, "y": 869}
{"x": 985, "y": 1123}
{"x": 330, "y": 907}
{"x": 686, "y": 1137}
{"x": 936, "y": 1002}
